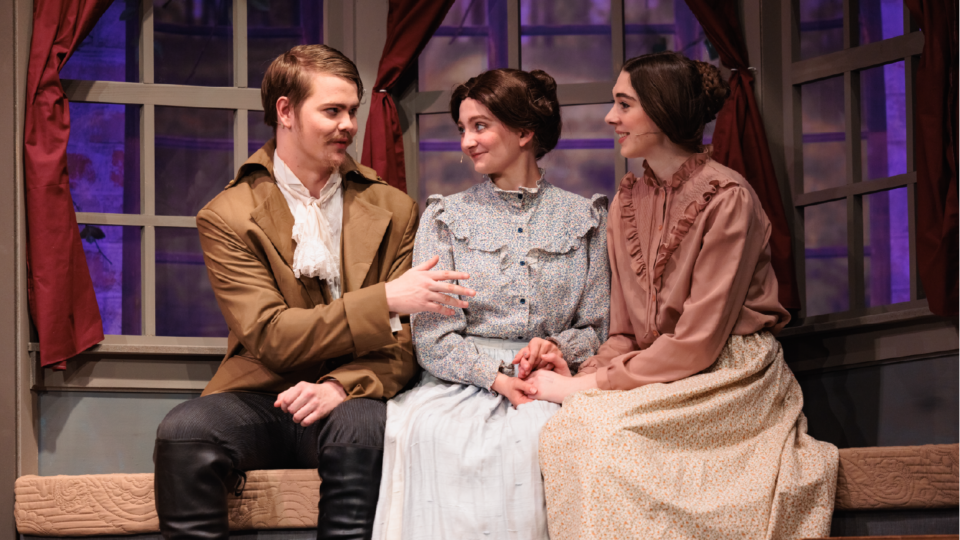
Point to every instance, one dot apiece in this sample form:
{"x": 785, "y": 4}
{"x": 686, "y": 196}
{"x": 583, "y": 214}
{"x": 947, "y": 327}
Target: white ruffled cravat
{"x": 318, "y": 252}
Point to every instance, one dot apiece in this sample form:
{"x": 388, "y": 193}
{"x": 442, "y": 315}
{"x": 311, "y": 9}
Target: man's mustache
{"x": 345, "y": 138}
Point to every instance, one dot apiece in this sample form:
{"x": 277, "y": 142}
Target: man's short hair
{"x": 290, "y": 75}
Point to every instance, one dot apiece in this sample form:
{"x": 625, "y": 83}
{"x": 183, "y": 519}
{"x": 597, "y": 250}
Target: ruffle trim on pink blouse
{"x": 694, "y": 199}
{"x": 690, "y": 166}
{"x": 628, "y": 215}
{"x": 703, "y": 192}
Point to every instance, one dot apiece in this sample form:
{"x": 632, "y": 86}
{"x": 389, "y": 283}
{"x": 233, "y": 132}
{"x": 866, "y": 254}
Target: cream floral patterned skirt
{"x": 722, "y": 454}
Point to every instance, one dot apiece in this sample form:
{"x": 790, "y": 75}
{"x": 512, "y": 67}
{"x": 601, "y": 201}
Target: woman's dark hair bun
{"x": 548, "y": 86}
{"x": 715, "y": 90}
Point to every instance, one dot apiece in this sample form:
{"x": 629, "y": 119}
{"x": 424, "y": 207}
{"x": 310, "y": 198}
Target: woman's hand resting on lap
{"x": 514, "y": 389}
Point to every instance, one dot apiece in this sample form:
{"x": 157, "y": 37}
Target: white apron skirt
{"x": 460, "y": 462}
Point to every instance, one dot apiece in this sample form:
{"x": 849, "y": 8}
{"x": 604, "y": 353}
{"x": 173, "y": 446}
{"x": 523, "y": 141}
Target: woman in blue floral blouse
{"x": 460, "y": 457}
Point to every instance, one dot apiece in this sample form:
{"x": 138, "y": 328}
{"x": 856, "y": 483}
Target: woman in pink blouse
{"x": 687, "y": 423}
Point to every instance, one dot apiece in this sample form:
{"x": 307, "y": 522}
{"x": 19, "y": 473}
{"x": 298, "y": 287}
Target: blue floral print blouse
{"x": 537, "y": 259}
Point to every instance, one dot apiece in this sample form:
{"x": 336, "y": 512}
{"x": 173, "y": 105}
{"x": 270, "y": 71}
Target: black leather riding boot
{"x": 190, "y": 483}
{"x": 349, "y": 487}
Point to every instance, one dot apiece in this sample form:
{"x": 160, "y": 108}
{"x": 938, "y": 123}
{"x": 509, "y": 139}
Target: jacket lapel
{"x": 364, "y": 225}
{"x": 274, "y": 218}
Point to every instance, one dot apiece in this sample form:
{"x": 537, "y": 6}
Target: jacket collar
{"x": 364, "y": 223}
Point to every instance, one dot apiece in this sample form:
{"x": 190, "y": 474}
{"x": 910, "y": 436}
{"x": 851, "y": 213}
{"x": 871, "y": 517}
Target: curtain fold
{"x": 410, "y": 24}
{"x": 935, "y": 153}
{"x": 59, "y": 289}
{"x": 740, "y": 140}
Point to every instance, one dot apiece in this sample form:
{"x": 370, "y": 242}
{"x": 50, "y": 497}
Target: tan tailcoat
{"x": 284, "y": 330}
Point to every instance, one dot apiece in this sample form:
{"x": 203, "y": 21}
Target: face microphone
{"x": 648, "y": 133}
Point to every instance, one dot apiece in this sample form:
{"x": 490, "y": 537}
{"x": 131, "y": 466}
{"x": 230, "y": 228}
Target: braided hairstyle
{"x": 680, "y": 95}
{"x": 521, "y": 100}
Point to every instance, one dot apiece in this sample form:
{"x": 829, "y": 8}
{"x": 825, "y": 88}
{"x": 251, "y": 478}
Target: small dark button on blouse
{"x": 523, "y": 263}
{"x": 520, "y": 196}
{"x": 520, "y": 229}
{"x": 523, "y": 300}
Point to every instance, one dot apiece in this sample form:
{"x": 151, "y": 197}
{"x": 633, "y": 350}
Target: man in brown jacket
{"x": 309, "y": 256}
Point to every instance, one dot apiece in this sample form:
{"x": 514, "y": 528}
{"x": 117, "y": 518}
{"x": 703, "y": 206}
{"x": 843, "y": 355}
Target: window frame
{"x": 148, "y": 95}
{"x": 848, "y": 62}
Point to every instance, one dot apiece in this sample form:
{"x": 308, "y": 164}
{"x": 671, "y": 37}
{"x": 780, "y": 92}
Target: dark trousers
{"x": 205, "y": 446}
{"x": 258, "y": 435}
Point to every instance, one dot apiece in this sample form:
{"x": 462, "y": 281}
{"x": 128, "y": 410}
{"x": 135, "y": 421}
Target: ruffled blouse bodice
{"x": 537, "y": 259}
{"x": 690, "y": 265}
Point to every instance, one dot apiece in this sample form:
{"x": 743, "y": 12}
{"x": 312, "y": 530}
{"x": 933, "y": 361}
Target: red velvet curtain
{"x": 410, "y": 24}
{"x": 740, "y": 141}
{"x": 59, "y": 289}
{"x": 935, "y": 147}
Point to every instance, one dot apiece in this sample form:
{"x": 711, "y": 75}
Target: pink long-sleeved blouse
{"x": 690, "y": 265}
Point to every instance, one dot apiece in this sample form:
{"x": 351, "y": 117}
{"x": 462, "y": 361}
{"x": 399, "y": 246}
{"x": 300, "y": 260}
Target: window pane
{"x": 886, "y": 247}
{"x": 185, "y": 302}
{"x": 442, "y": 171}
{"x": 569, "y": 40}
{"x": 103, "y": 158}
{"x": 880, "y": 20}
{"x": 194, "y": 157}
{"x": 824, "y": 149}
{"x": 113, "y": 257}
{"x": 258, "y": 133}
{"x": 821, "y": 27}
{"x": 583, "y": 161}
{"x": 274, "y": 27}
{"x": 193, "y": 42}
{"x": 664, "y": 25}
{"x": 883, "y": 121}
{"x": 825, "y": 242}
{"x": 471, "y": 39}
{"x": 112, "y": 50}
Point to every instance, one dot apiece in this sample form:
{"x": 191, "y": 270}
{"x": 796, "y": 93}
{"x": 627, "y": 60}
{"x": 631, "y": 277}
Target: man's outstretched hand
{"x": 309, "y": 402}
{"x": 421, "y": 289}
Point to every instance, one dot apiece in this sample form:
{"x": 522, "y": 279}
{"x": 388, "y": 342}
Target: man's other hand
{"x": 420, "y": 289}
{"x": 309, "y": 402}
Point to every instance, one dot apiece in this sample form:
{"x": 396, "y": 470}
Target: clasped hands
{"x": 542, "y": 373}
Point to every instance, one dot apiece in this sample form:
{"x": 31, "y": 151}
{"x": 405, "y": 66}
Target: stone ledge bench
{"x": 882, "y": 478}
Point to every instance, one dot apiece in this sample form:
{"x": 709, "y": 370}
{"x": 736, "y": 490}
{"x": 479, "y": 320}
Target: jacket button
{"x": 520, "y": 229}
{"x": 523, "y": 300}
{"x": 522, "y": 263}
